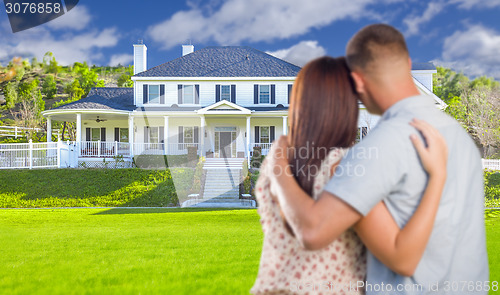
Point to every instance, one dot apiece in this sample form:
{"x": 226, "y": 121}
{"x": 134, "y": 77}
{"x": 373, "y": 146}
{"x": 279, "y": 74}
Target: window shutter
{"x": 289, "y": 92}
{"x": 145, "y": 93}
{"x": 117, "y": 134}
{"x": 217, "y": 93}
{"x": 257, "y": 137}
{"x": 162, "y": 94}
{"x": 181, "y": 134}
{"x": 256, "y": 94}
{"x": 197, "y": 94}
{"x": 179, "y": 94}
{"x": 87, "y": 134}
{"x": 161, "y": 134}
{"x": 146, "y": 134}
{"x": 271, "y": 135}
{"x": 233, "y": 93}
{"x": 196, "y": 135}
{"x": 273, "y": 94}
{"x": 103, "y": 134}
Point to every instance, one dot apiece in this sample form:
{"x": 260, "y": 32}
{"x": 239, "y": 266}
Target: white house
{"x": 222, "y": 101}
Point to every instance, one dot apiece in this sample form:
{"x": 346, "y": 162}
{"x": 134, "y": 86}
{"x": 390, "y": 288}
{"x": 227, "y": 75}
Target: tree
{"x": 30, "y": 112}
{"x": 50, "y": 64}
{"x": 74, "y": 90}
{"x": 480, "y": 113}
{"x": 100, "y": 83}
{"x": 27, "y": 90}
{"x": 449, "y": 84}
{"x": 10, "y": 92}
{"x": 124, "y": 81}
{"x": 49, "y": 87}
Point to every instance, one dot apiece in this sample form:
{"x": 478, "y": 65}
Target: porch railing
{"x": 264, "y": 147}
{"x": 491, "y": 164}
{"x": 164, "y": 149}
{"x": 103, "y": 149}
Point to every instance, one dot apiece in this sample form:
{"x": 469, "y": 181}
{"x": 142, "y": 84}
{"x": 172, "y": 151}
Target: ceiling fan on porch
{"x": 100, "y": 120}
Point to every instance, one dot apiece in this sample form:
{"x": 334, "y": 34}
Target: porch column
{"x": 131, "y": 134}
{"x": 202, "y": 136}
{"x": 165, "y": 135}
{"x": 49, "y": 129}
{"x": 248, "y": 140}
{"x": 78, "y": 128}
{"x": 285, "y": 125}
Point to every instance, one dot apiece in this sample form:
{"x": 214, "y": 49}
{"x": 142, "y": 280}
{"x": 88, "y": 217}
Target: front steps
{"x": 221, "y": 185}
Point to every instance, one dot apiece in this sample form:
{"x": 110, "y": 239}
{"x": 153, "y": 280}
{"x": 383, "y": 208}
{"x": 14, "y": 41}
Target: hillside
{"x": 28, "y": 87}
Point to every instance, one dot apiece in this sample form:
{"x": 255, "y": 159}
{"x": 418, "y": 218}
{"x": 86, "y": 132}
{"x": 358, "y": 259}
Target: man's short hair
{"x": 374, "y": 42}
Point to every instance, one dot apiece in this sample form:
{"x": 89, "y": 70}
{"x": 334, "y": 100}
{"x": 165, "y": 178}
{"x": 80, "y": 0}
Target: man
{"x": 385, "y": 167}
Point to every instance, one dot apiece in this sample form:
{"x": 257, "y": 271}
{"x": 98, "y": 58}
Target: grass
{"x": 142, "y": 251}
{"x": 129, "y": 251}
{"x": 492, "y": 222}
{"x": 93, "y": 187}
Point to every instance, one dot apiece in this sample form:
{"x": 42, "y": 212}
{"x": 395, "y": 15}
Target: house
{"x": 220, "y": 101}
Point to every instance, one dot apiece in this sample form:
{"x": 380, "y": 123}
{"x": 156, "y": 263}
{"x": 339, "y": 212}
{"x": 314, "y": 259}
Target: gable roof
{"x": 224, "y": 61}
{"x": 109, "y": 98}
{"x": 423, "y": 66}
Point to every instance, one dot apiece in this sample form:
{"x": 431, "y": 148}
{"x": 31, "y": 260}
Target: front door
{"x": 225, "y": 144}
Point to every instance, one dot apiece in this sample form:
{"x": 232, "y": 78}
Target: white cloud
{"x": 76, "y": 19}
{"x": 67, "y": 48}
{"x": 121, "y": 59}
{"x": 473, "y": 51}
{"x": 259, "y": 20}
{"x": 414, "y": 22}
{"x": 300, "y": 53}
{"x": 469, "y": 4}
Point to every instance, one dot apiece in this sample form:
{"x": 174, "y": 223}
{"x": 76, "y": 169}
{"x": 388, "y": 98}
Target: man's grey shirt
{"x": 385, "y": 166}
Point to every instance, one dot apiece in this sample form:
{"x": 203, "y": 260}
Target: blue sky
{"x": 461, "y": 34}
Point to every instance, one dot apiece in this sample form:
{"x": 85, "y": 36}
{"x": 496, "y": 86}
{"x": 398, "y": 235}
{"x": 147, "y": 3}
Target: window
{"x": 264, "y": 134}
{"x": 123, "y": 135}
{"x": 95, "y": 134}
{"x": 188, "y": 134}
{"x": 153, "y": 135}
{"x": 225, "y": 92}
{"x": 264, "y": 93}
{"x": 154, "y": 94}
{"x": 188, "y": 94}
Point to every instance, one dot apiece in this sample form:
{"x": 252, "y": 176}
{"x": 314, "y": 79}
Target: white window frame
{"x": 120, "y": 134}
{"x": 155, "y": 100}
{"x": 92, "y": 134}
{"x": 184, "y": 93}
{"x": 268, "y": 134}
{"x": 184, "y": 137}
{"x": 269, "y": 93}
{"x": 229, "y": 93}
{"x": 150, "y": 129}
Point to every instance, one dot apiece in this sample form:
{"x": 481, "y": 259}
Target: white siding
{"x": 244, "y": 91}
{"x": 425, "y": 79}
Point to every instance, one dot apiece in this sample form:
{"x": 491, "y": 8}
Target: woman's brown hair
{"x": 323, "y": 115}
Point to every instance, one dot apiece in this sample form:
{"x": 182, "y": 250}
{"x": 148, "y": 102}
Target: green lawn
{"x": 142, "y": 251}
{"x": 93, "y": 187}
{"x": 128, "y": 251}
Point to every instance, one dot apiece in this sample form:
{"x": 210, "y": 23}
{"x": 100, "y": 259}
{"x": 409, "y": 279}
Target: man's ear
{"x": 359, "y": 82}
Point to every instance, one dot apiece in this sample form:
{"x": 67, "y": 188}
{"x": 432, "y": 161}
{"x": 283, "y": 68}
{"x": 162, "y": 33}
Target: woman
{"x": 323, "y": 96}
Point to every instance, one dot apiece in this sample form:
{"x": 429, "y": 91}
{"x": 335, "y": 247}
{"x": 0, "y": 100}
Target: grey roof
{"x": 109, "y": 98}
{"x": 224, "y": 61}
{"x": 422, "y": 66}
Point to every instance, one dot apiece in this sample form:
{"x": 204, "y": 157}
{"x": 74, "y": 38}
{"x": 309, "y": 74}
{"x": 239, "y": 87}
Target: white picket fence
{"x": 29, "y": 155}
{"x": 491, "y": 164}
{"x": 16, "y": 132}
